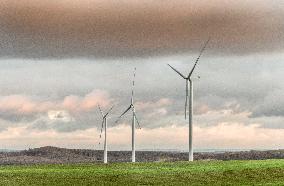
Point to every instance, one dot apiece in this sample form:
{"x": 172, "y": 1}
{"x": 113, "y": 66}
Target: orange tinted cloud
{"x": 88, "y": 102}
{"x": 19, "y": 104}
{"x": 22, "y": 105}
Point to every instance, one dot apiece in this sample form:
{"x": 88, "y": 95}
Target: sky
{"x": 60, "y": 59}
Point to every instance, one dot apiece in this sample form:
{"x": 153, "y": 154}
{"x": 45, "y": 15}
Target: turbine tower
{"x": 134, "y": 117}
{"x": 189, "y": 83}
{"x": 104, "y": 125}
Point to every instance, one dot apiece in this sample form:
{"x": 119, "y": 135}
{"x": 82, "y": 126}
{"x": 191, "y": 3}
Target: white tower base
{"x": 133, "y": 137}
{"x": 105, "y": 144}
{"x": 190, "y": 153}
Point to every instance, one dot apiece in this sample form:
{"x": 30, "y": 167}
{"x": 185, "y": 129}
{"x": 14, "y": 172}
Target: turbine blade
{"x": 137, "y": 120}
{"x": 101, "y": 111}
{"x": 133, "y": 84}
{"x": 101, "y": 130}
{"x": 177, "y": 71}
{"x": 186, "y": 99}
{"x": 109, "y": 110}
{"x": 196, "y": 61}
{"x": 123, "y": 113}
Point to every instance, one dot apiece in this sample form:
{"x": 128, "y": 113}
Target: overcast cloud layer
{"x": 97, "y": 28}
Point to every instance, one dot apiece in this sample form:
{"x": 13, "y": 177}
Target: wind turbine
{"x": 134, "y": 117}
{"x": 104, "y": 125}
{"x": 188, "y": 81}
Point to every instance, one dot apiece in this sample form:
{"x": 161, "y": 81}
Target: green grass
{"x": 262, "y": 172}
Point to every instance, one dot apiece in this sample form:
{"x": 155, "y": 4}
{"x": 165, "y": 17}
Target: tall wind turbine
{"x": 134, "y": 117}
{"x": 104, "y": 125}
{"x": 188, "y": 81}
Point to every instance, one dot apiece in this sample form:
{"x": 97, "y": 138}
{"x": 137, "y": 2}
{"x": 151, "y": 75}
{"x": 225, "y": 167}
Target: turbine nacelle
{"x": 131, "y": 106}
{"x": 102, "y": 114}
{"x": 104, "y": 117}
{"x": 189, "y": 78}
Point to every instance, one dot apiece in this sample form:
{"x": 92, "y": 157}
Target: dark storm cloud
{"x": 96, "y": 28}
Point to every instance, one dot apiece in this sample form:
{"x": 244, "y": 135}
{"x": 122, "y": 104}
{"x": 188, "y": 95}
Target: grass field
{"x": 262, "y": 172}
